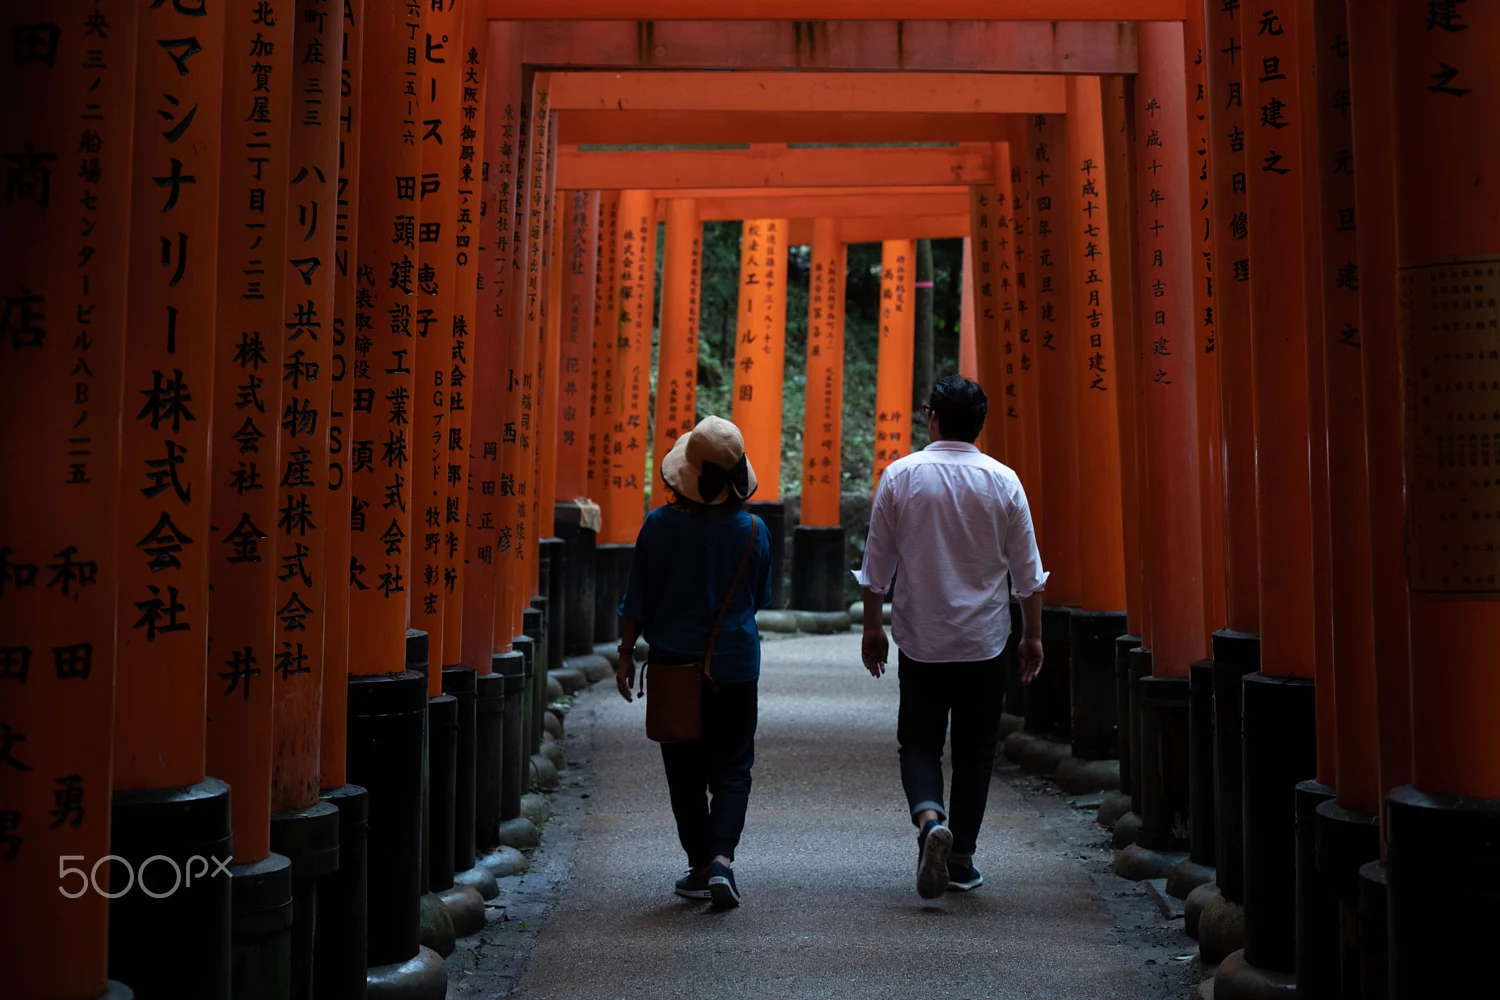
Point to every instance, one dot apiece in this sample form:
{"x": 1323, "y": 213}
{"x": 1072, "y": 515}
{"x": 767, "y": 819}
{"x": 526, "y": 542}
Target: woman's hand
{"x": 625, "y": 677}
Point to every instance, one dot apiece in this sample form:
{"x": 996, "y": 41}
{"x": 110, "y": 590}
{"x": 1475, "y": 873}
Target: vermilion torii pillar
{"x": 1449, "y": 321}
{"x": 677, "y": 363}
{"x": 1007, "y": 395}
{"x": 985, "y": 214}
{"x": 63, "y": 301}
{"x": 576, "y": 517}
{"x": 759, "y": 371}
{"x": 387, "y": 703}
{"x": 1370, "y": 71}
{"x": 1278, "y": 728}
{"x": 1025, "y": 359}
{"x": 1079, "y": 166}
{"x": 602, "y": 401}
{"x": 340, "y": 938}
{"x": 818, "y": 542}
{"x": 893, "y": 419}
{"x": 1236, "y": 647}
{"x": 252, "y": 510}
{"x": 1167, "y": 353}
{"x": 162, "y": 802}
{"x": 968, "y": 363}
{"x": 1348, "y": 825}
{"x": 628, "y": 322}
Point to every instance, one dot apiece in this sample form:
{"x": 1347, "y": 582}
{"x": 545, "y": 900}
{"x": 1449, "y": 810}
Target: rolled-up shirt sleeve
{"x": 1021, "y": 553}
{"x": 879, "y": 568}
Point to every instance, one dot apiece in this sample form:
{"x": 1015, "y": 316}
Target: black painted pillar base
{"x": 818, "y": 569}
{"x": 1122, "y": 714}
{"x": 157, "y": 945}
{"x": 557, "y": 604}
{"x": 1444, "y": 891}
{"x": 1138, "y": 667}
{"x": 1198, "y": 869}
{"x": 533, "y": 625}
{"x": 1235, "y": 655}
{"x": 1091, "y": 673}
{"x": 577, "y": 578}
{"x": 260, "y": 895}
{"x": 514, "y": 770}
{"x": 1048, "y": 701}
{"x": 538, "y": 625}
{"x": 526, "y": 646}
{"x": 1317, "y": 905}
{"x": 309, "y": 839}
{"x": 1279, "y": 746}
{"x": 442, "y": 760}
{"x": 773, "y": 512}
{"x": 1374, "y": 933}
{"x": 489, "y": 753}
{"x": 611, "y": 573}
{"x": 462, "y": 683}
{"x": 387, "y": 714}
{"x": 340, "y": 940}
{"x": 1346, "y": 842}
{"x": 1164, "y": 757}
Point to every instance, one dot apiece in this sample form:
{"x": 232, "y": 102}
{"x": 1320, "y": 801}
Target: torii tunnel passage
{"x": 345, "y": 345}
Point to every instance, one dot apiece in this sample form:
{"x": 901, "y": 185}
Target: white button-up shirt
{"x": 953, "y": 523}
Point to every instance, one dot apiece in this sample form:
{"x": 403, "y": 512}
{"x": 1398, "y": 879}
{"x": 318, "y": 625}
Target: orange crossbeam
{"x": 773, "y": 166}
{"x": 1051, "y": 46}
{"x": 951, "y": 93}
{"x": 891, "y": 227}
{"x": 807, "y": 11}
{"x": 606, "y": 128}
{"x": 835, "y": 207}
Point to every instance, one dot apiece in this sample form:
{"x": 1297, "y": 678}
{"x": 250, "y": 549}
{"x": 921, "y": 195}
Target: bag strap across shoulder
{"x": 739, "y": 574}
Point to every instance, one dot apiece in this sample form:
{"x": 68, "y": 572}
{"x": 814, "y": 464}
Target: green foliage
{"x": 718, "y": 305}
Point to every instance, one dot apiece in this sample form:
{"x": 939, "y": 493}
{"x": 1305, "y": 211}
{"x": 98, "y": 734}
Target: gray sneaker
{"x": 934, "y": 844}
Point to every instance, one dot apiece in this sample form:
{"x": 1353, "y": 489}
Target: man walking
{"x": 953, "y": 525}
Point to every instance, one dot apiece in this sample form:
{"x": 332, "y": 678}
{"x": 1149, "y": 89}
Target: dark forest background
{"x": 720, "y": 300}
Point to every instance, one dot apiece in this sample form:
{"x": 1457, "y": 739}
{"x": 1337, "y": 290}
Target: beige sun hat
{"x": 709, "y": 462}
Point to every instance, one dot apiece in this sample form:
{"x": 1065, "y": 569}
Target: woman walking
{"x": 702, "y": 567}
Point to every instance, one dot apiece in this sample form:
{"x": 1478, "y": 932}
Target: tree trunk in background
{"x": 921, "y": 385}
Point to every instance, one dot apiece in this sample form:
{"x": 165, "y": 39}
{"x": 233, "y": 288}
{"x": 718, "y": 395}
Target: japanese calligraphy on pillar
{"x": 467, "y": 242}
{"x": 306, "y": 387}
{"x": 492, "y": 344}
{"x": 822, "y": 427}
{"x": 1336, "y": 170}
{"x": 336, "y": 536}
{"x": 1164, "y": 294}
{"x": 677, "y": 360}
{"x": 636, "y": 291}
{"x": 442, "y": 67}
{"x": 985, "y": 215}
{"x": 893, "y": 419}
{"x": 385, "y": 319}
{"x": 760, "y": 348}
{"x": 602, "y": 371}
{"x": 65, "y": 209}
{"x": 165, "y": 488}
{"x": 1090, "y": 266}
{"x": 249, "y": 498}
{"x": 1200, "y": 180}
{"x": 1450, "y": 299}
{"x": 575, "y": 390}
{"x": 1007, "y": 299}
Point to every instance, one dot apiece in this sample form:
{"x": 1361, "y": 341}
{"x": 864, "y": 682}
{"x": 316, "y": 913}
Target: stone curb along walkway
{"x": 826, "y": 868}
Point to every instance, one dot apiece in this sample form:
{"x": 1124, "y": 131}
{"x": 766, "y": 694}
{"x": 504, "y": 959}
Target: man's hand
{"x": 875, "y": 649}
{"x": 1030, "y": 652}
{"x": 625, "y": 677}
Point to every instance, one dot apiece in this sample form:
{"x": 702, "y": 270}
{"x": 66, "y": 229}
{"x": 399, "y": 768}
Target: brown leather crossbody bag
{"x": 674, "y": 710}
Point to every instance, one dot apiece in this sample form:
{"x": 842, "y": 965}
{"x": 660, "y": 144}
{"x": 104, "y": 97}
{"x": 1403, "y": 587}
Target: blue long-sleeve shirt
{"x": 682, "y": 567}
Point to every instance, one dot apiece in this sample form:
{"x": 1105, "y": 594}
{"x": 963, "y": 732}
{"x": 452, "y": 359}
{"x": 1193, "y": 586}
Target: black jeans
{"x": 718, "y": 764}
{"x": 974, "y": 693}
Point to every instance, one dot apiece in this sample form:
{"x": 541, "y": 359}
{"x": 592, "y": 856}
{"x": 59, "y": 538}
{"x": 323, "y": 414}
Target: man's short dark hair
{"x": 960, "y": 406}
